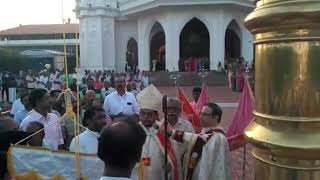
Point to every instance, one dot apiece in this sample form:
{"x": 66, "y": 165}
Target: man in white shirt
{"x": 42, "y": 80}
{"x": 57, "y": 82}
{"x": 120, "y": 147}
{"x": 94, "y": 120}
{"x": 39, "y": 100}
{"x": 31, "y": 81}
{"x": 121, "y": 102}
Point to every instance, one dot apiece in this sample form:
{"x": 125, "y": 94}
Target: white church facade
{"x": 162, "y": 33}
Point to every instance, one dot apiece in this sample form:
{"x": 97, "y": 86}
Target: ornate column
{"x": 286, "y": 128}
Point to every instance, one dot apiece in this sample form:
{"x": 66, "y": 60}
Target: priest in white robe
{"x": 174, "y": 116}
{"x": 152, "y": 164}
{"x": 178, "y": 123}
{"x": 207, "y": 155}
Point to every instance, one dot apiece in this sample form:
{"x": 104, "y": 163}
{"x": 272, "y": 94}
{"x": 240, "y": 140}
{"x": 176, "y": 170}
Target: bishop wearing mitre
{"x": 152, "y": 165}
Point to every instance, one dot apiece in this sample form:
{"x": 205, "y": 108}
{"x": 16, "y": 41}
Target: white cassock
{"x": 207, "y": 155}
{"x": 152, "y": 158}
{"x": 180, "y": 148}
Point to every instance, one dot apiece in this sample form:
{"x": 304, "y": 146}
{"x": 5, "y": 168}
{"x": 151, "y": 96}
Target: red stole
{"x": 171, "y": 155}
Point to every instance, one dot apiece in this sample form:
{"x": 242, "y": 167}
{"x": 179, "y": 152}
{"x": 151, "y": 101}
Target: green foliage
{"x": 11, "y": 60}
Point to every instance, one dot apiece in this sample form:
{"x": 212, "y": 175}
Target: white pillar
{"x": 217, "y": 37}
{"x": 90, "y": 43}
{"x": 108, "y": 43}
{"x": 172, "y": 45}
{"x": 143, "y": 47}
{"x": 97, "y": 38}
{"x": 246, "y": 45}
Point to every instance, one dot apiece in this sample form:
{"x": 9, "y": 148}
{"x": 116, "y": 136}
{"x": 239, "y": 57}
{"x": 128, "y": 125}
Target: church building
{"x": 158, "y": 35}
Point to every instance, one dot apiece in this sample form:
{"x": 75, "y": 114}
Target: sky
{"x": 16, "y": 12}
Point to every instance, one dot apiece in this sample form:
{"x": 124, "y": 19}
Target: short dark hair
{"x": 89, "y": 79}
{"x": 88, "y": 115}
{"x": 4, "y": 120}
{"x": 216, "y": 110}
{"x": 197, "y": 89}
{"x": 36, "y": 95}
{"x": 24, "y": 95}
{"x": 35, "y": 123}
{"x": 54, "y": 92}
{"x": 120, "y": 143}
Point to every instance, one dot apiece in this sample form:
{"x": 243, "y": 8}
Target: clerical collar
{"x": 209, "y": 130}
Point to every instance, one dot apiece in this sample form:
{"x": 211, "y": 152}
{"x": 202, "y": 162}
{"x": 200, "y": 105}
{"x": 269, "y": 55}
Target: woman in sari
{"x": 240, "y": 76}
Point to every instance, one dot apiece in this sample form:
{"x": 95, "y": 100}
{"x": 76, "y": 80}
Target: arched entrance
{"x": 194, "y": 46}
{"x": 157, "y": 48}
{"x": 232, "y": 42}
{"x": 132, "y": 54}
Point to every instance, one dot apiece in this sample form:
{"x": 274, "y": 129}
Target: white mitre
{"x": 150, "y": 98}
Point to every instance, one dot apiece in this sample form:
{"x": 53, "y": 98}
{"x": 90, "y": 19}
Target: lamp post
{"x": 286, "y": 130}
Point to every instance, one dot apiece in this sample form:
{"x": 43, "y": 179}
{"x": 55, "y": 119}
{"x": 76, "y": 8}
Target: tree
{"x": 11, "y": 60}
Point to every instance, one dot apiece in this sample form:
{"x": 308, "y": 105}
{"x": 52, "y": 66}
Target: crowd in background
{"x": 237, "y": 70}
{"x": 94, "y": 87}
{"x": 194, "y": 64}
{"x": 98, "y": 81}
{"x": 105, "y": 98}
{"x": 40, "y": 109}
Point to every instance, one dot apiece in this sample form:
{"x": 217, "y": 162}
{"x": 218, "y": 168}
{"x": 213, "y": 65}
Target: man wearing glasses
{"x": 207, "y": 155}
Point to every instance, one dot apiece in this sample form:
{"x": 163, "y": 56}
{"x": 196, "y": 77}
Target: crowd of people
{"x": 98, "y": 81}
{"x": 194, "y": 64}
{"x": 237, "y": 70}
{"x": 128, "y": 121}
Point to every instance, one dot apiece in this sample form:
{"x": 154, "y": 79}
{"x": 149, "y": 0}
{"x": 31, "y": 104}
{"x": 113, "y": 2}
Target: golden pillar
{"x": 286, "y": 129}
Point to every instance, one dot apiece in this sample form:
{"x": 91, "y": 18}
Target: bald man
{"x": 178, "y": 123}
{"x": 174, "y": 116}
{"x": 120, "y": 147}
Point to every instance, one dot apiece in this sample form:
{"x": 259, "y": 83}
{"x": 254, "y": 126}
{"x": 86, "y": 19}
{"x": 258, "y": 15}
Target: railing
{"x": 44, "y": 42}
{"x": 96, "y": 3}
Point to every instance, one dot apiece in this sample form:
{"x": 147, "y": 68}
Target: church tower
{"x": 97, "y": 33}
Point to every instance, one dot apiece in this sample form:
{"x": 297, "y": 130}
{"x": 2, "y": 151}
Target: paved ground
{"x": 223, "y": 95}
{"x": 217, "y": 93}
